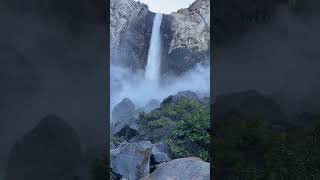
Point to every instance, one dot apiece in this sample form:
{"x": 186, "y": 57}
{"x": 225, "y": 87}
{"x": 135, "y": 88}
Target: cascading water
{"x": 152, "y": 71}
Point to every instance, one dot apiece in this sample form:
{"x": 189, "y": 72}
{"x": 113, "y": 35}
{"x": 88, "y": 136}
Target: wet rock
{"x": 181, "y": 169}
{"x": 131, "y": 160}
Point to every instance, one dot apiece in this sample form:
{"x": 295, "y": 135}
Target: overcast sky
{"x": 167, "y": 6}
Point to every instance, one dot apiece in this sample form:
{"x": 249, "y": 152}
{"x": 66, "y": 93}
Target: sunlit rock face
{"x": 185, "y": 35}
{"x": 130, "y": 32}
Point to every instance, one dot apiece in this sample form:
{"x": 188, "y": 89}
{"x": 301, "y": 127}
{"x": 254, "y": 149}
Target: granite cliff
{"x": 185, "y": 35}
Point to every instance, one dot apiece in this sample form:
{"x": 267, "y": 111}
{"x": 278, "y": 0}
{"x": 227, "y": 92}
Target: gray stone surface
{"x": 181, "y": 169}
{"x": 123, "y": 115}
{"x": 131, "y": 160}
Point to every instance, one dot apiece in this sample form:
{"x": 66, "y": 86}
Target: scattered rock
{"x": 131, "y": 160}
{"x": 181, "y": 169}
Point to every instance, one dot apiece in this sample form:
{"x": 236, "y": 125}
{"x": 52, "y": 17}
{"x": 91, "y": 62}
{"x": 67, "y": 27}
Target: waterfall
{"x": 152, "y": 71}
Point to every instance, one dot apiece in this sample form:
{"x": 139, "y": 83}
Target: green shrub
{"x": 191, "y": 124}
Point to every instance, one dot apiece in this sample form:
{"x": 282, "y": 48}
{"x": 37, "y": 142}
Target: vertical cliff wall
{"x": 185, "y": 35}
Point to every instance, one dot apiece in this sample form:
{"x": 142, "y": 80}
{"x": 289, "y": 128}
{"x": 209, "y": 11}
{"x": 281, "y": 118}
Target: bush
{"x": 191, "y": 124}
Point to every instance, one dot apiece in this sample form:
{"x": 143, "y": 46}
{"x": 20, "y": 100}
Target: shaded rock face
{"x": 186, "y": 38}
{"x": 249, "y": 104}
{"x": 130, "y": 32}
{"x": 182, "y": 169}
{"x": 131, "y": 160}
{"x": 185, "y": 35}
{"x": 50, "y": 151}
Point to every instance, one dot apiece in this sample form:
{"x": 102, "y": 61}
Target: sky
{"x": 167, "y": 6}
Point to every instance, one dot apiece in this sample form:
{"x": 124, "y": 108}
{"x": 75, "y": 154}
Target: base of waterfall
{"x": 145, "y": 143}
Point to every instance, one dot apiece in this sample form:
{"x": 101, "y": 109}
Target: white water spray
{"x": 152, "y": 72}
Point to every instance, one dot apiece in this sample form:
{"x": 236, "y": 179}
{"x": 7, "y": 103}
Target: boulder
{"x": 131, "y": 160}
{"x": 182, "y": 169}
{"x": 179, "y": 96}
{"x": 159, "y": 153}
{"x": 123, "y": 115}
{"x": 51, "y": 151}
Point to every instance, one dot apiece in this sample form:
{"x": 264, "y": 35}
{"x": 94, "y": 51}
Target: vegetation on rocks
{"x": 190, "y": 125}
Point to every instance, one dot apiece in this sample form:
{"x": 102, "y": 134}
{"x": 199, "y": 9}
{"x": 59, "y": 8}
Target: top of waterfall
{"x": 167, "y": 6}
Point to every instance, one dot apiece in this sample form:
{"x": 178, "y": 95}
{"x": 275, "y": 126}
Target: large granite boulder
{"x": 51, "y": 151}
{"x": 182, "y": 169}
{"x": 131, "y": 160}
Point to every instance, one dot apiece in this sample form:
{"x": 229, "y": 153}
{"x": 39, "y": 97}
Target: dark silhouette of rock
{"x": 131, "y": 160}
{"x": 248, "y": 105}
{"x": 51, "y": 151}
{"x": 182, "y": 169}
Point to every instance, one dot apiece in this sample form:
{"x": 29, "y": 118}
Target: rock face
{"x": 131, "y": 160}
{"x": 182, "y": 169}
{"x": 186, "y": 37}
{"x": 51, "y": 151}
{"x": 130, "y": 32}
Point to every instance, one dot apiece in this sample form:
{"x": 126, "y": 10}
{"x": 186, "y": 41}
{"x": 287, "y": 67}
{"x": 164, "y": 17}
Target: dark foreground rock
{"x": 182, "y": 169}
{"x": 249, "y": 105}
{"x": 131, "y": 160}
{"x": 51, "y": 151}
